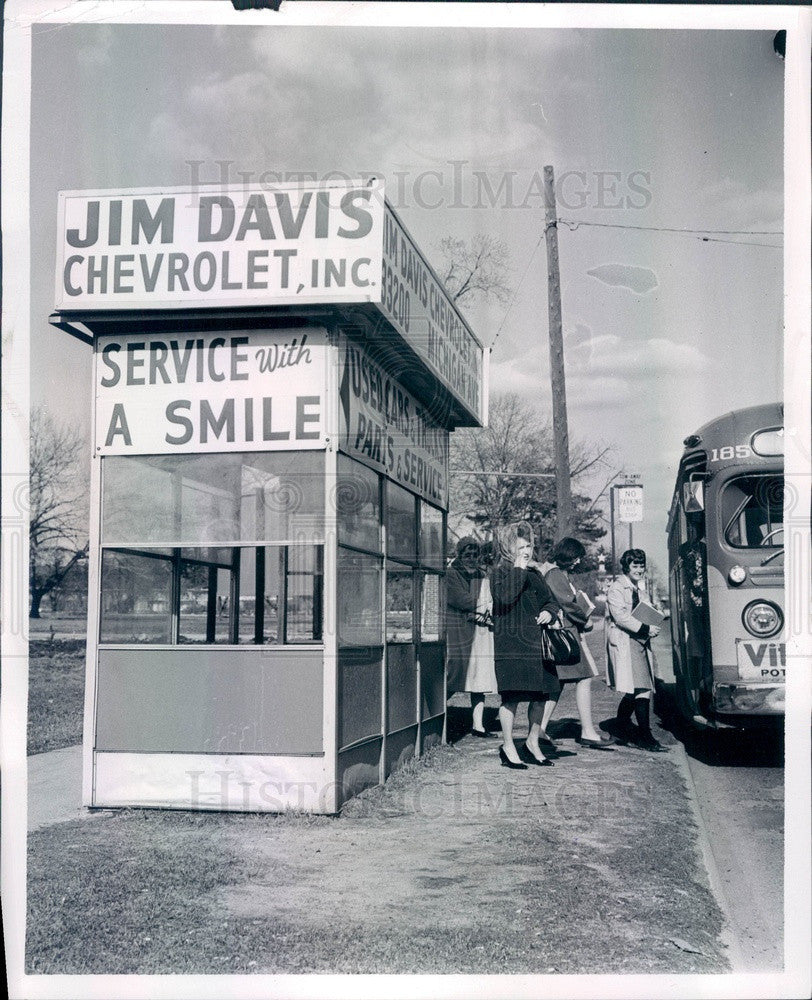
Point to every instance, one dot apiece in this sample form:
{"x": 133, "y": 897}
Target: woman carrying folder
{"x": 629, "y": 657}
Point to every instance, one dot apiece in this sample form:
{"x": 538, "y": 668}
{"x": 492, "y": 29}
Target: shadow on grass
{"x": 458, "y": 722}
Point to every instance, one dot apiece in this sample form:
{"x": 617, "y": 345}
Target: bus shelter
{"x": 276, "y": 373}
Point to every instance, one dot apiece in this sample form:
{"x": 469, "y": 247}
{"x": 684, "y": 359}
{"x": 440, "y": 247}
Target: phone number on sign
{"x": 395, "y": 297}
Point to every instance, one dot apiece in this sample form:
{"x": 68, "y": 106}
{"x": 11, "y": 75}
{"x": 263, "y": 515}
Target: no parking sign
{"x": 629, "y": 504}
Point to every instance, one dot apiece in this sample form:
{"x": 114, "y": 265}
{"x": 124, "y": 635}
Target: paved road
{"x": 738, "y": 781}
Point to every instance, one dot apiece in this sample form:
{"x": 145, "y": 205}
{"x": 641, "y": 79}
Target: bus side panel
{"x": 666, "y": 672}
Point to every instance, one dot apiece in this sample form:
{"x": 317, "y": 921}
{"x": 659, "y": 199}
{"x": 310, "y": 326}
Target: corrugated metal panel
{"x": 359, "y": 768}
{"x": 431, "y": 733}
{"x": 432, "y": 681}
{"x": 400, "y": 749}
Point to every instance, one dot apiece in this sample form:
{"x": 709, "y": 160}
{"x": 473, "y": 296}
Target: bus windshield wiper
{"x": 770, "y": 558}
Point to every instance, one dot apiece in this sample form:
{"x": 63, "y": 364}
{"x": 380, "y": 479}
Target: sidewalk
{"x": 55, "y": 788}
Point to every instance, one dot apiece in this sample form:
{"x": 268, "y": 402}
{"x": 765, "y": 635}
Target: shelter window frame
{"x": 244, "y": 617}
{"x": 224, "y": 524}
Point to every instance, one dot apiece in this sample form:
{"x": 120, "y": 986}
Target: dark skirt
{"x": 545, "y": 685}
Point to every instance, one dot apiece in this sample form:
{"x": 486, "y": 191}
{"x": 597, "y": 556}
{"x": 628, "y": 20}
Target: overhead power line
{"x": 703, "y": 235}
{"x": 740, "y": 243}
{"x": 516, "y": 292}
{"x": 573, "y": 224}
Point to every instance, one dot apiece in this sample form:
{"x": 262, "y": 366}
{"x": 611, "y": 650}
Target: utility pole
{"x": 612, "y": 570}
{"x": 556, "y": 333}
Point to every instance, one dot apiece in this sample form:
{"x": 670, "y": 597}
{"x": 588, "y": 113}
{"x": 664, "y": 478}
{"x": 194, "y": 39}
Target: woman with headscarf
{"x": 522, "y": 602}
{"x": 469, "y": 631}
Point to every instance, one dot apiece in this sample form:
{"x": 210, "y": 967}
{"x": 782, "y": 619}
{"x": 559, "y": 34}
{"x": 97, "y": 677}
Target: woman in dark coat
{"x": 522, "y": 602}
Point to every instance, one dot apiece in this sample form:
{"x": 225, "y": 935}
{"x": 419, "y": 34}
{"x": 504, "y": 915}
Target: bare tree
{"x": 518, "y": 440}
{"x": 478, "y": 269}
{"x": 58, "y": 504}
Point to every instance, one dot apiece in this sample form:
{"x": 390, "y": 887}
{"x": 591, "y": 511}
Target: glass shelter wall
{"x": 222, "y": 548}
{"x": 391, "y": 623}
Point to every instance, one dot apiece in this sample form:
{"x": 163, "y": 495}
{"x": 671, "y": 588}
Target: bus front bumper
{"x": 748, "y": 699}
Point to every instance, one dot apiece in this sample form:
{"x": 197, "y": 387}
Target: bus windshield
{"x": 753, "y": 512}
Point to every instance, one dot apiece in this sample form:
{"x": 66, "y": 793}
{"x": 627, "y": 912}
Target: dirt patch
{"x": 456, "y": 865}
{"x": 588, "y": 867}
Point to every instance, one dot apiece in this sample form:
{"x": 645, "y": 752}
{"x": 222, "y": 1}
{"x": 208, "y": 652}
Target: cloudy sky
{"x": 658, "y": 129}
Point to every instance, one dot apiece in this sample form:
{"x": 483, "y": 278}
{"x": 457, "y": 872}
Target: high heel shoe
{"x": 507, "y": 762}
{"x": 527, "y": 755}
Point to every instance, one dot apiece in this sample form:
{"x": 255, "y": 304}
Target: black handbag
{"x": 560, "y": 646}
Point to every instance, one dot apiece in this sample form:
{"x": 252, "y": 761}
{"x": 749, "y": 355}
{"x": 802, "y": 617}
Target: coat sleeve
{"x": 459, "y": 594}
{"x": 507, "y": 585}
{"x": 536, "y": 583}
{"x": 562, "y": 592}
{"x": 621, "y": 615}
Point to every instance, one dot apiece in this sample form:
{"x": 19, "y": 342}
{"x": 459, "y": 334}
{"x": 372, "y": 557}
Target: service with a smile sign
{"x": 158, "y": 394}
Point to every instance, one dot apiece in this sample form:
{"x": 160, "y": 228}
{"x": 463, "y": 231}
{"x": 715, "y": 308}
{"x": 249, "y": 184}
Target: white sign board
{"x": 214, "y": 246}
{"x": 629, "y": 504}
{"x": 420, "y": 309}
{"x": 159, "y": 394}
{"x": 761, "y": 661}
{"x": 239, "y": 246}
{"x": 385, "y": 427}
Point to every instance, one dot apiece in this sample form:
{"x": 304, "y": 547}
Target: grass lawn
{"x": 454, "y": 866}
{"x": 56, "y": 684}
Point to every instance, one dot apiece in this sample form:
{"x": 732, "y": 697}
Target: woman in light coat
{"x": 629, "y": 657}
{"x": 469, "y": 630}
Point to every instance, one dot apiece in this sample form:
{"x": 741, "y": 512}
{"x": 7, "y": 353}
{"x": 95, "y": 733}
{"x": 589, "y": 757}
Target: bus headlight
{"x": 737, "y": 574}
{"x": 762, "y": 619}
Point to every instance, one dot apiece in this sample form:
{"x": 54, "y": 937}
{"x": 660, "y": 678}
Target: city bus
{"x": 726, "y": 572}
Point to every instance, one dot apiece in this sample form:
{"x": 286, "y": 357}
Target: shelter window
{"x": 359, "y": 599}
{"x": 238, "y": 595}
{"x": 358, "y": 505}
{"x": 399, "y": 604}
{"x": 753, "y": 512}
{"x": 432, "y": 534}
{"x": 136, "y": 596}
{"x": 213, "y": 499}
{"x": 432, "y": 607}
{"x": 401, "y": 524}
